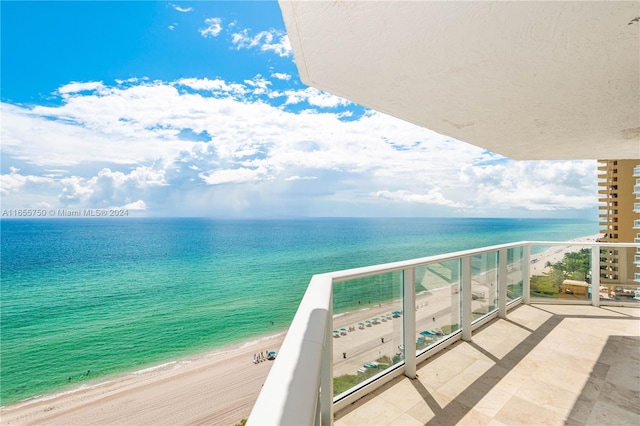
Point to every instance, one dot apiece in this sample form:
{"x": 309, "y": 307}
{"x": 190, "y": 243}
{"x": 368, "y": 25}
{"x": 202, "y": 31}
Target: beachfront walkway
{"x": 545, "y": 364}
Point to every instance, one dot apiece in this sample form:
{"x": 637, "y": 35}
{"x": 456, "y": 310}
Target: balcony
{"x": 452, "y": 338}
{"x": 552, "y": 369}
{"x": 636, "y": 171}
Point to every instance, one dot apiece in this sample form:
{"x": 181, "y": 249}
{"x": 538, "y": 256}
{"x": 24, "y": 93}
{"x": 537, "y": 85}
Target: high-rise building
{"x": 619, "y": 189}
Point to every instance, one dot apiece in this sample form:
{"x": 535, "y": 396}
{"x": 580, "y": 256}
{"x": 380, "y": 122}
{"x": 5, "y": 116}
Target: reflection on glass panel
{"x": 437, "y": 302}
{"x": 560, "y": 272}
{"x": 367, "y": 329}
{"x": 618, "y": 274}
{"x": 484, "y": 284}
{"x": 514, "y": 273}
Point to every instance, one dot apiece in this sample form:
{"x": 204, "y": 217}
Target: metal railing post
{"x": 465, "y": 277}
{"x": 526, "y": 283}
{"x": 595, "y": 276}
{"x": 409, "y": 321}
{"x": 502, "y": 283}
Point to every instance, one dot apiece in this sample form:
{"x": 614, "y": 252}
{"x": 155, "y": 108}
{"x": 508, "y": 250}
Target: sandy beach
{"x": 217, "y": 388}
{"x": 221, "y": 387}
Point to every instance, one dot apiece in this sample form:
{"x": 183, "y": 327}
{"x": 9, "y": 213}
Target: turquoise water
{"x": 119, "y": 295}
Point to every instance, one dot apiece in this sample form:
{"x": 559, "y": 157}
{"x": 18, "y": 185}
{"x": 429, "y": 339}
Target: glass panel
{"x": 484, "y": 284}
{"x": 367, "y": 329}
{"x": 561, "y": 272}
{"x": 618, "y": 275}
{"x": 437, "y": 302}
{"x": 514, "y": 273}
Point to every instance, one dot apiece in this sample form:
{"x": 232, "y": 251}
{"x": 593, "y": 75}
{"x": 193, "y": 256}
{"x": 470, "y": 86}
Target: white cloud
{"x": 314, "y": 97}
{"x": 240, "y": 175}
{"x": 109, "y": 188}
{"x": 181, "y": 9}
{"x": 136, "y": 205}
{"x": 292, "y": 178}
{"x": 281, "y": 76}
{"x": 272, "y": 40}
{"x": 533, "y": 185}
{"x": 76, "y": 87}
{"x": 172, "y": 26}
{"x": 14, "y": 181}
{"x": 213, "y": 28}
{"x": 432, "y": 196}
{"x": 118, "y": 145}
{"x": 212, "y": 85}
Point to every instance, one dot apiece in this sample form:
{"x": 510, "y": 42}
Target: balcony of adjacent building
{"x": 524, "y": 333}
{"x": 636, "y": 171}
{"x": 608, "y": 190}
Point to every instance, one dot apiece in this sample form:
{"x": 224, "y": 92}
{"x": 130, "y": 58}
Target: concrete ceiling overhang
{"x": 527, "y": 80}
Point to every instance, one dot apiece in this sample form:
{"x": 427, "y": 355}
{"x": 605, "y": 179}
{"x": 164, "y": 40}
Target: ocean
{"x": 85, "y": 299}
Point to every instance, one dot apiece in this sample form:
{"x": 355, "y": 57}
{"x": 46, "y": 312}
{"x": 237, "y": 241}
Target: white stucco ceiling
{"x": 528, "y": 80}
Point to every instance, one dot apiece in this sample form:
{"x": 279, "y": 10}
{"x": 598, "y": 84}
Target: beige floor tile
{"x": 374, "y": 412}
{"x": 422, "y": 412}
{"x": 474, "y": 417}
{"x": 518, "y": 411}
{"x": 432, "y": 377}
{"x": 550, "y": 396}
{"x": 529, "y": 316}
{"x": 568, "y": 380}
{"x": 608, "y": 414}
{"x": 402, "y": 395}
{"x": 492, "y": 402}
{"x": 406, "y": 420}
{"x": 469, "y": 350}
{"x": 513, "y": 381}
{"x": 459, "y": 358}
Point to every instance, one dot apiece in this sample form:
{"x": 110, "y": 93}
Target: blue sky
{"x": 196, "y": 109}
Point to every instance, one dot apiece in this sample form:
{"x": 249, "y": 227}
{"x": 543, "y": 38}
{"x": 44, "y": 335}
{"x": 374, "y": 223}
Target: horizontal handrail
{"x": 349, "y": 274}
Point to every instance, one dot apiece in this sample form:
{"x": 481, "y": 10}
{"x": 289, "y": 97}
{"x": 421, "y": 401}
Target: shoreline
{"x": 219, "y": 386}
{"x": 158, "y": 394}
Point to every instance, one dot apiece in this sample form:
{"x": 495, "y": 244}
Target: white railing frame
{"x": 299, "y": 388}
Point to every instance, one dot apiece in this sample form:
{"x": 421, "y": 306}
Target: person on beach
{"x": 344, "y": 355}
{"x": 382, "y": 340}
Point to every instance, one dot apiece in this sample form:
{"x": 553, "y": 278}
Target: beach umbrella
{"x": 396, "y": 312}
{"x": 426, "y": 333}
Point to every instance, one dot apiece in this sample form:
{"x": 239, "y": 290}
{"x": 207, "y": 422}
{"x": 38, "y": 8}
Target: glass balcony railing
{"x": 357, "y": 329}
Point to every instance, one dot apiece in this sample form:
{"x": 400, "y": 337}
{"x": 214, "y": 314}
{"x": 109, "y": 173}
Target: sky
{"x": 196, "y": 109}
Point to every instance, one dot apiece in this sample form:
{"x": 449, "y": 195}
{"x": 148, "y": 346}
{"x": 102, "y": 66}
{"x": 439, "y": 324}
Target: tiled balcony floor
{"x": 543, "y": 365}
